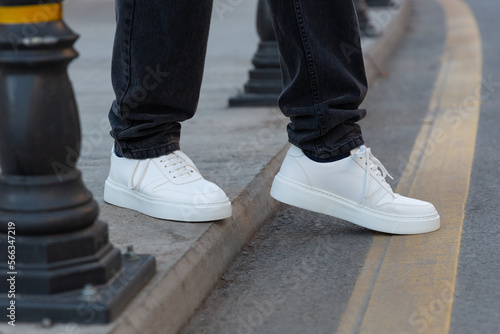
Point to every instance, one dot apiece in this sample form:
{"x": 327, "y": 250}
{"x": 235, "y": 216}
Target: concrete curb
{"x": 170, "y": 304}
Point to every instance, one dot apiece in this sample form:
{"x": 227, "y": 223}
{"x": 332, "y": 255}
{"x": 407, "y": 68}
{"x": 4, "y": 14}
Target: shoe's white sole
{"x": 305, "y": 197}
{"x": 126, "y": 198}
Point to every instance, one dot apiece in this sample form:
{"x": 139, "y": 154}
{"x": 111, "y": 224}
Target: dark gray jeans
{"x": 158, "y": 62}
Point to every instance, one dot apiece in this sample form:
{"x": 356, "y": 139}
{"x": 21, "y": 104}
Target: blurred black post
{"x": 379, "y": 3}
{"x": 264, "y": 85}
{"x": 59, "y": 264}
{"x": 366, "y": 27}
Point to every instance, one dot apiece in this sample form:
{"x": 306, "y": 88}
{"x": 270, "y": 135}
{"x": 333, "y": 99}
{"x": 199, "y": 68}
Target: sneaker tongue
{"x": 358, "y": 150}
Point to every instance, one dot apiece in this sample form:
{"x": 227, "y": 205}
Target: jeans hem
{"x": 148, "y": 153}
{"x": 341, "y": 149}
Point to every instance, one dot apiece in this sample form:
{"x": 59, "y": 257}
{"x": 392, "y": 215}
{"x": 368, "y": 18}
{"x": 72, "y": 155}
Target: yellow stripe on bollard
{"x": 30, "y": 14}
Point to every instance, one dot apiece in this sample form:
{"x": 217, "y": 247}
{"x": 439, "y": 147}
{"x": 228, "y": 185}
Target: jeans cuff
{"x": 340, "y": 149}
{"x": 148, "y": 153}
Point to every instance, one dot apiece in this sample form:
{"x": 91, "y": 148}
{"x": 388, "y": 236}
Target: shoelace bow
{"x": 373, "y": 164}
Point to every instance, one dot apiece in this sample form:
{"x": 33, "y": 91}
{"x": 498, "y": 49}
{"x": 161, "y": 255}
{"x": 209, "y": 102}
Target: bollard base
{"x": 264, "y": 85}
{"x": 89, "y": 305}
{"x": 262, "y": 89}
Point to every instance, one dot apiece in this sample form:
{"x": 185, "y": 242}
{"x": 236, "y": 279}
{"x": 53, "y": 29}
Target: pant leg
{"x": 323, "y": 74}
{"x": 158, "y": 61}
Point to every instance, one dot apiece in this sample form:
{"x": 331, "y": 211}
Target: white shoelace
{"x": 172, "y": 162}
{"x": 175, "y": 164}
{"x": 377, "y": 169}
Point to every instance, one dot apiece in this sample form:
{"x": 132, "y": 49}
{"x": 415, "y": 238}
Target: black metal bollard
{"x": 366, "y": 27}
{"x": 55, "y": 258}
{"x": 265, "y": 84}
{"x": 379, "y": 3}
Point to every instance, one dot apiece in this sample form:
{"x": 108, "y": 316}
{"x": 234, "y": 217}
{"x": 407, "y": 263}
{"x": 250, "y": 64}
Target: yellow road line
{"x": 407, "y": 283}
{"x": 31, "y": 13}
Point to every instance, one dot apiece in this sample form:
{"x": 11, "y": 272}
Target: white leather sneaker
{"x": 169, "y": 187}
{"x": 353, "y": 189}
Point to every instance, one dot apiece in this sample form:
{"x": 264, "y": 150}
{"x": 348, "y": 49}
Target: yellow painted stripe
{"x": 30, "y": 14}
{"x": 408, "y": 282}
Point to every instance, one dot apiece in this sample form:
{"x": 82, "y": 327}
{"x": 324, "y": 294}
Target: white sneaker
{"x": 169, "y": 187}
{"x": 353, "y": 189}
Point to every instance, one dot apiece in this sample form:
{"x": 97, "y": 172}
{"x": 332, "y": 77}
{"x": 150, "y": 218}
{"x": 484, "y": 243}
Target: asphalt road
{"x": 298, "y": 272}
{"x": 477, "y": 303}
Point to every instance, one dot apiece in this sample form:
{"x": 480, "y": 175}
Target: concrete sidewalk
{"x": 241, "y": 151}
